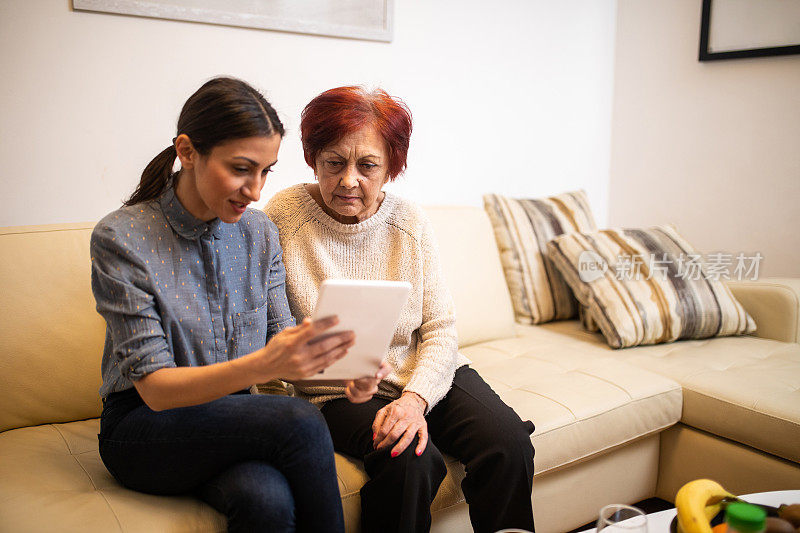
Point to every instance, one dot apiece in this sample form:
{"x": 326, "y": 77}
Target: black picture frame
{"x": 707, "y": 55}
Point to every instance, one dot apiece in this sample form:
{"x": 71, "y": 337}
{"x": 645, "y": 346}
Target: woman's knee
{"x": 503, "y": 441}
{"x": 429, "y": 465}
{"x": 288, "y": 432}
{"x": 512, "y": 448}
{"x": 286, "y": 417}
{"x": 307, "y": 423}
{"x": 526, "y": 450}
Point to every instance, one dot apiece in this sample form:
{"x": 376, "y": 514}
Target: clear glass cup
{"x": 621, "y": 519}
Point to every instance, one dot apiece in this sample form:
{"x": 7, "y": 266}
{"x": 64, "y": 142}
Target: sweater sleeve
{"x": 437, "y": 346}
{"x": 279, "y": 317}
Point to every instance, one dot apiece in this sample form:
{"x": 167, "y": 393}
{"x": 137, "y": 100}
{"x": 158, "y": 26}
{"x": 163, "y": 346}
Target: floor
{"x": 651, "y": 505}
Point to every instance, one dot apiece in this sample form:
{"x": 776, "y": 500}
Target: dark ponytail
{"x": 156, "y": 177}
{"x": 222, "y": 109}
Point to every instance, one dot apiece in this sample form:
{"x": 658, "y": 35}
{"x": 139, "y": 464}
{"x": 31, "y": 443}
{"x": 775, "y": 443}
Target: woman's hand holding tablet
{"x": 294, "y": 353}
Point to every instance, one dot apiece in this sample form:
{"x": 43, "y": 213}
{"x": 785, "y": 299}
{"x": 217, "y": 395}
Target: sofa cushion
{"x": 746, "y": 389}
{"x": 51, "y": 338}
{"x": 647, "y": 286}
{"x": 53, "y": 475}
{"x": 582, "y": 400}
{"x": 472, "y": 270}
{"x": 522, "y": 228}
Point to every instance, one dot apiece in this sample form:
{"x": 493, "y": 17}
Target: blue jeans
{"x": 265, "y": 462}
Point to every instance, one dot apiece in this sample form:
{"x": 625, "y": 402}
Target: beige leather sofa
{"x": 612, "y": 426}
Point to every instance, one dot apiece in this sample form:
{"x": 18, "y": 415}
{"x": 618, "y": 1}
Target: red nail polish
{"x": 374, "y": 436}
{"x": 395, "y": 454}
{"x": 418, "y": 452}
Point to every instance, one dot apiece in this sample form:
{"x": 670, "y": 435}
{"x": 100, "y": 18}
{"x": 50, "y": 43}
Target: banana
{"x": 712, "y": 510}
{"x": 697, "y": 502}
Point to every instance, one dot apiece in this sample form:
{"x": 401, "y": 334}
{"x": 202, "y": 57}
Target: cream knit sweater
{"x": 396, "y": 243}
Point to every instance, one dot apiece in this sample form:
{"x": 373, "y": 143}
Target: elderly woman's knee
{"x": 510, "y": 445}
{"x": 516, "y": 446}
{"x": 408, "y": 465}
{"x": 431, "y": 459}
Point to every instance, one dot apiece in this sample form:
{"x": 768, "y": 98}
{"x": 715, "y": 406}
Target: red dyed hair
{"x": 343, "y": 110}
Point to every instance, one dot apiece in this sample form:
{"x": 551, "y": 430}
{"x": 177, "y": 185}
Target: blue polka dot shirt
{"x": 177, "y": 291}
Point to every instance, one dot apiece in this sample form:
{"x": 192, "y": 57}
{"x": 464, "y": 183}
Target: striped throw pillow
{"x": 585, "y": 317}
{"x": 647, "y": 286}
{"x": 522, "y": 228}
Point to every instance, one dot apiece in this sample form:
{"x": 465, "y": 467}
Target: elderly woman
{"x": 432, "y": 402}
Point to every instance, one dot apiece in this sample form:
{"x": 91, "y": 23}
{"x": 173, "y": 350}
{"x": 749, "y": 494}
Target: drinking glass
{"x": 621, "y": 519}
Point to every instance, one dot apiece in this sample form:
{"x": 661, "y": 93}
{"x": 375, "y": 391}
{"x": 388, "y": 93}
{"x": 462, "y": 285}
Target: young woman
{"x": 191, "y": 285}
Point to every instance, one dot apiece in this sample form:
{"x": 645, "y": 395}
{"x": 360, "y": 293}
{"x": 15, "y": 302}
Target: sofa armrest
{"x": 774, "y": 303}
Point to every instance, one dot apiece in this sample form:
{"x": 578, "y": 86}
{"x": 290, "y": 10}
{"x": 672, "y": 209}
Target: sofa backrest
{"x": 51, "y": 337}
{"x": 472, "y": 269}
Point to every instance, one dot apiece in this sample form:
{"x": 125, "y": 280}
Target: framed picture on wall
{"x": 354, "y": 19}
{"x": 733, "y": 29}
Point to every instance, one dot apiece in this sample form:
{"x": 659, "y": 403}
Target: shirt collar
{"x": 183, "y": 222}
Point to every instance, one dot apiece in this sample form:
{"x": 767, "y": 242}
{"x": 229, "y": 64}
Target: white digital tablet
{"x": 371, "y": 310}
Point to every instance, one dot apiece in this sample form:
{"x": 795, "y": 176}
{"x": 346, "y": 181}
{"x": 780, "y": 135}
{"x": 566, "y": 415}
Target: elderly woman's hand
{"x": 361, "y": 390}
{"x": 402, "y": 419}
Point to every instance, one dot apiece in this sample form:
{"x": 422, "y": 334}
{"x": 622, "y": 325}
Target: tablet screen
{"x": 371, "y": 310}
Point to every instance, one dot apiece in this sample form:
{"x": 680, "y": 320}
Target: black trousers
{"x": 472, "y": 424}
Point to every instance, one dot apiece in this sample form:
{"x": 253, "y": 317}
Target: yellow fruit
{"x": 712, "y": 510}
{"x": 697, "y": 502}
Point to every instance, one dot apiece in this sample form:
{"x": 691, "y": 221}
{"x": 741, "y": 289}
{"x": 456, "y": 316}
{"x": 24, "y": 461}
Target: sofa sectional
{"x": 612, "y": 426}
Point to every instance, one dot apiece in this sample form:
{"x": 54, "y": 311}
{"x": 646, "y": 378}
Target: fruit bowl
{"x": 700, "y": 505}
{"x": 720, "y": 516}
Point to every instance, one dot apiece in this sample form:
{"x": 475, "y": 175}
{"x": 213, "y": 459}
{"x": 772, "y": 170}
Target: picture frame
{"x": 353, "y": 19}
{"x": 735, "y": 29}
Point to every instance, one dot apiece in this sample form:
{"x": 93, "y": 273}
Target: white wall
{"x": 713, "y": 147}
{"x": 511, "y": 96}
